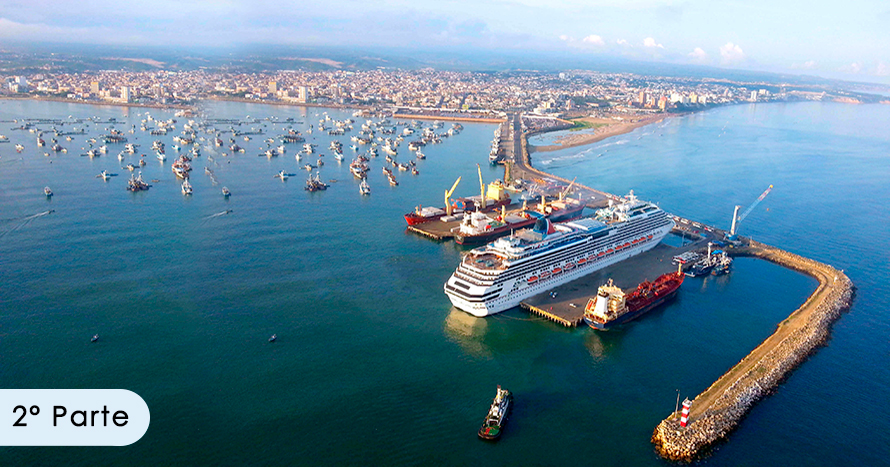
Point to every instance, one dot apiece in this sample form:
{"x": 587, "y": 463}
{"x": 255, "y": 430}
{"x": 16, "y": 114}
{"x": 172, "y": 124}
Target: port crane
{"x": 737, "y": 219}
{"x": 448, "y": 208}
{"x": 562, "y": 195}
{"x": 481, "y": 187}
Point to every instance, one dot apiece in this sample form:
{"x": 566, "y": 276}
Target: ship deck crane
{"x": 448, "y": 208}
{"x": 737, "y": 219}
{"x": 563, "y": 194}
{"x": 481, "y": 187}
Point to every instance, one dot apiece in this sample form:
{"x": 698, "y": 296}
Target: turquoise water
{"x": 372, "y": 365}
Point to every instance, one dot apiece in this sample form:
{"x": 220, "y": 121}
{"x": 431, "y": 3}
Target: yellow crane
{"x": 481, "y": 187}
{"x": 448, "y": 208}
{"x": 563, "y": 194}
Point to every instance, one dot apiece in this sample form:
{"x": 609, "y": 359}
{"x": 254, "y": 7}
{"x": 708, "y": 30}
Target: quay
{"x": 565, "y": 304}
{"x": 718, "y": 410}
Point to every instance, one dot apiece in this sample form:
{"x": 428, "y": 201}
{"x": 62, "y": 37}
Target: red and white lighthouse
{"x": 684, "y": 417}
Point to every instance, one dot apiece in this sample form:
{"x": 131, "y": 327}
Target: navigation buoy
{"x": 685, "y": 414}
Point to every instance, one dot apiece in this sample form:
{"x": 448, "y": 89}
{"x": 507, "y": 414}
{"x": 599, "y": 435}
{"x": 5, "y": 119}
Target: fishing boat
{"x": 47, "y": 191}
{"x": 364, "y": 188}
{"x": 315, "y": 184}
{"x": 186, "y": 187}
{"x": 493, "y": 424}
{"x": 135, "y": 184}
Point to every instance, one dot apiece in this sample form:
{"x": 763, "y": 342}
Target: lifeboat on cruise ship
{"x": 557, "y": 271}
{"x": 569, "y": 266}
{"x": 601, "y": 254}
{"x": 649, "y": 237}
{"x": 532, "y": 279}
{"x": 582, "y": 261}
{"x": 545, "y": 275}
{"x": 610, "y": 250}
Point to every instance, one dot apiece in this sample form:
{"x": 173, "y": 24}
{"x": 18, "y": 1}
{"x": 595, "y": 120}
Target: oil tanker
{"x": 612, "y": 307}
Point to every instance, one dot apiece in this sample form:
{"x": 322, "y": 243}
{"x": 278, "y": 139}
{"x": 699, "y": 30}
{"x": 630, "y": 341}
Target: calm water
{"x": 372, "y": 365}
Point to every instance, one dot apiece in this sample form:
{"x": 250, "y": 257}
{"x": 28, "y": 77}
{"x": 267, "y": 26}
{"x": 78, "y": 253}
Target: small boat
{"x": 364, "y": 188}
{"x": 186, "y": 187}
{"x": 273, "y": 338}
{"x": 308, "y": 167}
{"x": 104, "y": 176}
{"x": 421, "y": 155}
{"x": 414, "y": 171}
{"x": 94, "y": 338}
{"x": 226, "y": 192}
{"x": 47, "y": 191}
{"x": 142, "y": 162}
{"x": 392, "y": 180}
{"x": 493, "y": 425}
{"x": 162, "y": 156}
{"x": 282, "y": 175}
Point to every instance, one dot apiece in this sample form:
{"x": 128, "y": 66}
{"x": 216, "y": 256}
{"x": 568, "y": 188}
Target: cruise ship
{"x": 497, "y": 276}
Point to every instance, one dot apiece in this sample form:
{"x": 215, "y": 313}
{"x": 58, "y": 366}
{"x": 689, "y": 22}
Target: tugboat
{"x": 612, "y": 307}
{"x": 721, "y": 264}
{"x": 494, "y": 421}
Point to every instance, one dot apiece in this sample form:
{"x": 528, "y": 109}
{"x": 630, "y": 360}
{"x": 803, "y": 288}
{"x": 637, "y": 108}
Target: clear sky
{"x": 847, "y": 39}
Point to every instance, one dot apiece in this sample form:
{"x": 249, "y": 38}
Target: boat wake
{"x": 219, "y": 214}
{"x": 18, "y": 223}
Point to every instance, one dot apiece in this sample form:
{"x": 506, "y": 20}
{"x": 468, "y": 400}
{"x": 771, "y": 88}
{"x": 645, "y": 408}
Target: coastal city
{"x": 467, "y": 94}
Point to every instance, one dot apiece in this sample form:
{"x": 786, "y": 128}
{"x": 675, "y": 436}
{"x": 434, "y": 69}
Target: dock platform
{"x": 565, "y": 304}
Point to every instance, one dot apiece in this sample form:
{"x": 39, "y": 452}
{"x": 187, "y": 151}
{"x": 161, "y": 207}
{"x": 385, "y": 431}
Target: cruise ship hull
{"x": 484, "y": 301}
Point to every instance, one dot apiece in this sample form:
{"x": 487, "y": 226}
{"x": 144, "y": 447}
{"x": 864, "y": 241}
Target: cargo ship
{"x": 493, "y": 425}
{"x": 611, "y": 307}
{"x": 495, "y": 197}
{"x": 478, "y": 228}
{"x": 498, "y": 276}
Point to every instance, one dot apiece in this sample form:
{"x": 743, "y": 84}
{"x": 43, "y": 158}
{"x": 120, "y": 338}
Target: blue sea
{"x": 372, "y": 365}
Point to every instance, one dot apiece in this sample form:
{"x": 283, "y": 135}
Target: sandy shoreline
{"x": 615, "y": 129}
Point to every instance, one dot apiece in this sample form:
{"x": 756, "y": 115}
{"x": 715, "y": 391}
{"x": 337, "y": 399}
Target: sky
{"x": 835, "y": 39}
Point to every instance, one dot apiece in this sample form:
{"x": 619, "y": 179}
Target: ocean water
{"x": 372, "y": 365}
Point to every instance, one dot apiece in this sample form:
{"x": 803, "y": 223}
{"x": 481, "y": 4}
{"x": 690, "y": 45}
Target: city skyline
{"x": 820, "y": 39}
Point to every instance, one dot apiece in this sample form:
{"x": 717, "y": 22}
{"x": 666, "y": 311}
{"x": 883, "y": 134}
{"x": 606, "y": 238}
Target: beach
{"x": 602, "y": 128}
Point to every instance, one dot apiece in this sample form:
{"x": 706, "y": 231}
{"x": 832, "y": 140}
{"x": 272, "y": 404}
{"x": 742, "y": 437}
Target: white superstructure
{"x": 497, "y": 276}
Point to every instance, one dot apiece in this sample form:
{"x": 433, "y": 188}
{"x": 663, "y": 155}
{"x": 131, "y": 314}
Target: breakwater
{"x": 718, "y": 410}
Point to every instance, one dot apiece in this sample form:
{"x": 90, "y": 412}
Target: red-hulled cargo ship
{"x": 612, "y": 307}
{"x": 478, "y": 228}
{"x": 497, "y": 196}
